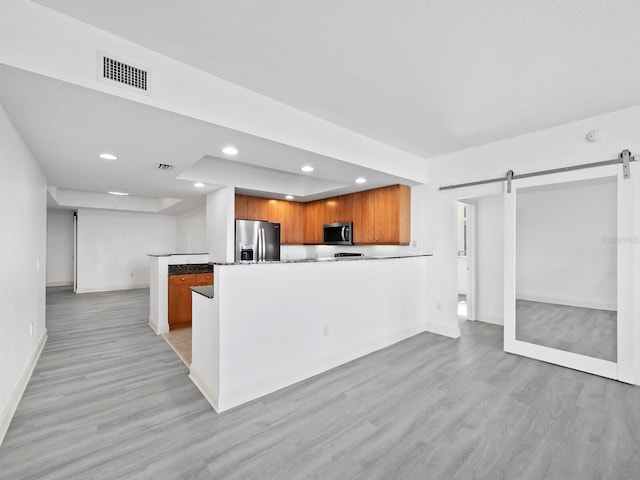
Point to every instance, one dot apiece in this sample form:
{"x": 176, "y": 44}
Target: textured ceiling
{"x": 428, "y": 77}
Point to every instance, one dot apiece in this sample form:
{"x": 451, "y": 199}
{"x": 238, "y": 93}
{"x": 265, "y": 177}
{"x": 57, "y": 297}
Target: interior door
{"x": 563, "y": 267}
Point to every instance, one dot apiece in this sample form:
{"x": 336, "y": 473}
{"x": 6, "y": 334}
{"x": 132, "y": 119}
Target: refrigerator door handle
{"x": 261, "y": 241}
{"x": 259, "y": 256}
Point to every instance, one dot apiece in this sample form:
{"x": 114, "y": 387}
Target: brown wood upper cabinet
{"x": 312, "y": 232}
{"x": 257, "y": 208}
{"x": 380, "y": 216}
{"x": 364, "y": 217}
{"x": 383, "y": 216}
{"x": 336, "y": 209}
{"x": 293, "y": 223}
{"x": 241, "y": 207}
{"x": 290, "y": 215}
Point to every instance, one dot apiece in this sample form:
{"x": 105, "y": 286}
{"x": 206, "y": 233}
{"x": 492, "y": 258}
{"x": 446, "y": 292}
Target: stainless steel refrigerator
{"x": 257, "y": 241}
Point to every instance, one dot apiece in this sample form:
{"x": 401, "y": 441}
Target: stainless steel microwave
{"x": 337, "y": 233}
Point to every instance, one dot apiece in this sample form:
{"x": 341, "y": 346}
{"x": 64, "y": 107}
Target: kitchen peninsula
{"x": 264, "y": 326}
{"x": 159, "y": 285}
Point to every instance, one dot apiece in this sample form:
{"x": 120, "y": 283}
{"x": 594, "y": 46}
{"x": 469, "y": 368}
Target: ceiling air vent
{"x": 164, "y": 166}
{"x": 117, "y": 72}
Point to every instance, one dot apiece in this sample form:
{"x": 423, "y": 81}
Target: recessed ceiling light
{"x": 289, "y": 197}
{"x": 361, "y": 180}
{"x": 307, "y": 168}
{"x": 118, "y": 193}
{"x": 230, "y": 150}
{"x": 107, "y": 156}
{"x": 198, "y": 185}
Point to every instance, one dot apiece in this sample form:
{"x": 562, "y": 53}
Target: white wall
{"x": 566, "y": 244}
{"x": 490, "y": 222}
{"x": 23, "y": 206}
{"x": 113, "y": 247}
{"x": 221, "y": 225}
{"x": 191, "y": 231}
{"x": 59, "y": 247}
{"x": 557, "y": 147}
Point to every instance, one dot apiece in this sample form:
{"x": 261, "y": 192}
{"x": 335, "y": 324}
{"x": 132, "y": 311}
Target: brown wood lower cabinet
{"x": 179, "y": 308}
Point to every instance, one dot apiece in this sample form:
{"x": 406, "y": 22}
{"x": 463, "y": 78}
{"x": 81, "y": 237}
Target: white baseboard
{"x": 452, "y": 331}
{"x": 112, "y": 288}
{"x": 154, "y": 325}
{"x": 568, "y": 303}
{"x": 158, "y": 329}
{"x": 207, "y": 391}
{"x": 60, "y": 284}
{"x": 227, "y": 400}
{"x": 9, "y": 409}
{"x": 490, "y": 319}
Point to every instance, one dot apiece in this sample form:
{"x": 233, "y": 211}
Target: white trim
{"x": 444, "y": 330}
{"x": 492, "y": 320}
{"x": 154, "y": 325}
{"x": 583, "y": 363}
{"x": 625, "y": 278}
{"x": 112, "y": 288}
{"x": 227, "y": 400}
{"x": 472, "y": 262}
{"x": 60, "y": 284}
{"x": 568, "y": 303}
{"x": 622, "y": 370}
{"x": 207, "y": 391}
{"x": 9, "y": 409}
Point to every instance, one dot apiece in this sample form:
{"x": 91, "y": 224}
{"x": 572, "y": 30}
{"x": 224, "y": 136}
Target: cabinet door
{"x": 294, "y": 223}
{"x": 241, "y": 207}
{"x": 364, "y": 217}
{"x": 179, "y": 307}
{"x": 257, "y": 208}
{"x": 393, "y": 215}
{"x": 345, "y": 208}
{"x": 328, "y": 211}
{"x": 203, "y": 279}
{"x": 276, "y": 211}
{"x": 310, "y": 233}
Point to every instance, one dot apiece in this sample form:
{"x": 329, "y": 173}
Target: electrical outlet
{"x": 131, "y": 274}
{"x": 439, "y": 305}
{"x": 325, "y": 331}
{"x": 31, "y": 329}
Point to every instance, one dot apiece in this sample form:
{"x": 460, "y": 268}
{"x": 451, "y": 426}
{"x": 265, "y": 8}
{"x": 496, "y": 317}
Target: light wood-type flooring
{"x": 586, "y": 331}
{"x": 110, "y": 400}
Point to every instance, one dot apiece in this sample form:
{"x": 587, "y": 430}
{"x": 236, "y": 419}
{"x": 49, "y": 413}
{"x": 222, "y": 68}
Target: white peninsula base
{"x": 270, "y": 325}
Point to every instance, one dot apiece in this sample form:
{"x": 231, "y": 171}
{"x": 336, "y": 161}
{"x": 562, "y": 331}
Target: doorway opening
{"x": 467, "y": 259}
{"x": 463, "y": 268}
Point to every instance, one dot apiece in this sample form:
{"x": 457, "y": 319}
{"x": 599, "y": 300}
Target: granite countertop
{"x": 206, "y": 291}
{"x": 326, "y": 259}
{"x": 187, "y": 268}
{"x": 172, "y": 254}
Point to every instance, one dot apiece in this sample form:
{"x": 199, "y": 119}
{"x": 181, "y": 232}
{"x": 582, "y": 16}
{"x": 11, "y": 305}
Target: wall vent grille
{"x": 123, "y": 73}
{"x": 118, "y": 72}
{"x": 164, "y": 166}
